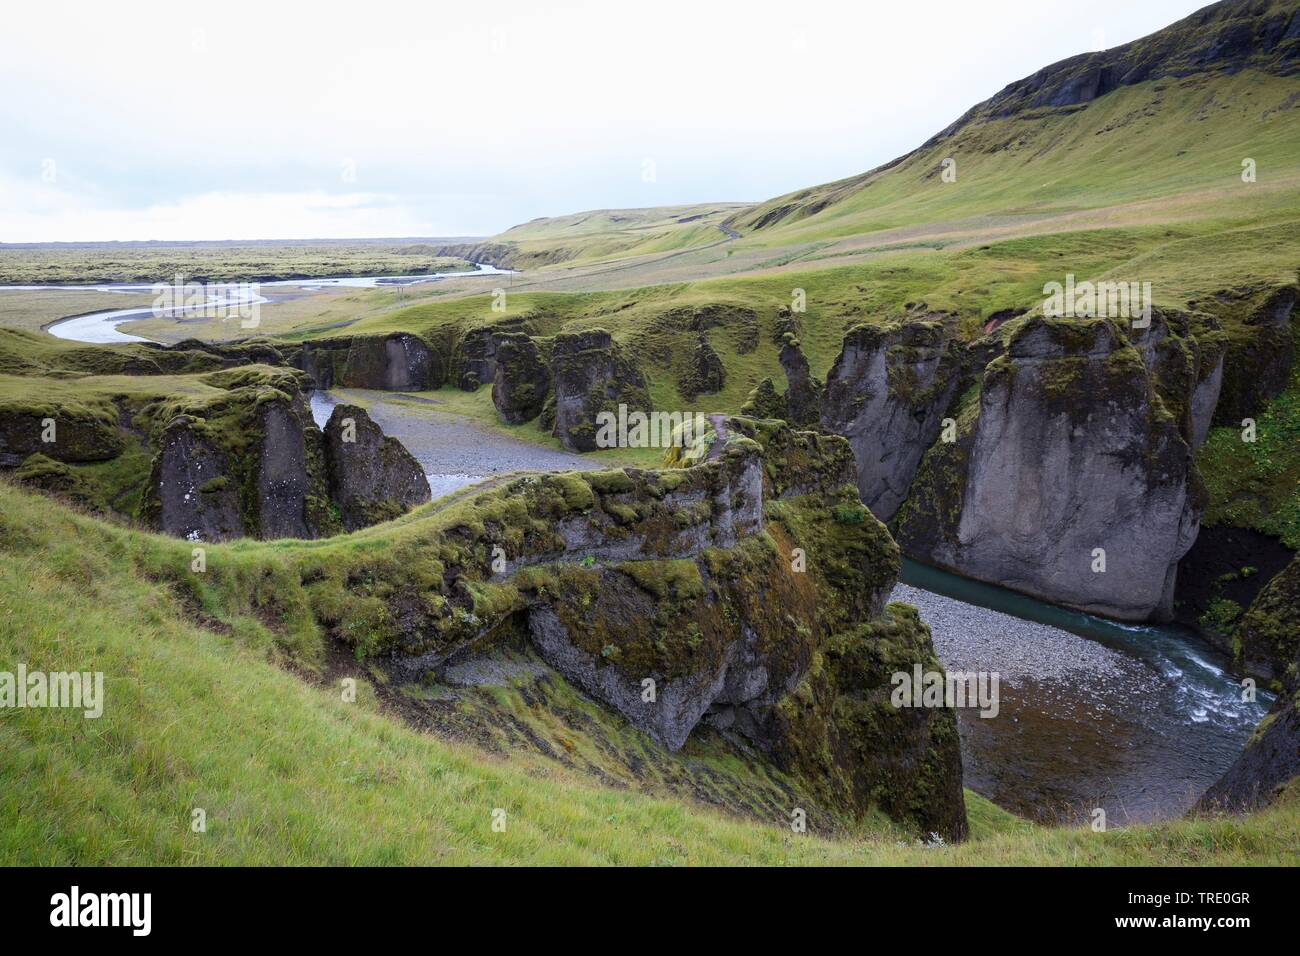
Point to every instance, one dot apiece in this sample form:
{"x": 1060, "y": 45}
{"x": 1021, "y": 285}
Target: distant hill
{"x": 1175, "y": 110}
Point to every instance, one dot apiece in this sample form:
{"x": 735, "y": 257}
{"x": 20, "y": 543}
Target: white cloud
{"x": 477, "y": 117}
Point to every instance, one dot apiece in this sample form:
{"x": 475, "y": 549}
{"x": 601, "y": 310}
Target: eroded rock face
{"x": 705, "y": 374}
{"x": 803, "y": 393}
{"x": 372, "y": 476}
{"x": 78, "y": 436}
{"x": 253, "y": 462}
{"x": 476, "y": 358}
{"x": 1257, "y": 366}
{"x": 887, "y": 394}
{"x": 522, "y": 380}
{"x": 1187, "y": 371}
{"x": 1268, "y": 633}
{"x": 281, "y": 479}
{"x": 196, "y": 497}
{"x": 399, "y": 361}
{"x": 1067, "y": 449}
{"x": 591, "y": 376}
{"x": 677, "y": 599}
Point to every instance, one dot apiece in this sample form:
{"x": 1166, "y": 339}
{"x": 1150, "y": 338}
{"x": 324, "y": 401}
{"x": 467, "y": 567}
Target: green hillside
{"x": 221, "y": 706}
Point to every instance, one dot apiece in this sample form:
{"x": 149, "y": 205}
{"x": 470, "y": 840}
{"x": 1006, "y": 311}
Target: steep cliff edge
{"x": 744, "y": 594}
{"x": 1069, "y": 478}
{"x": 887, "y": 393}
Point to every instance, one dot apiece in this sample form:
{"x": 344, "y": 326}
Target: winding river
{"x": 101, "y": 328}
{"x": 1136, "y": 720}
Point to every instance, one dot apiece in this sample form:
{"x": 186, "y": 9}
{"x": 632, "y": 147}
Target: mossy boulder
{"x": 54, "y": 477}
{"x": 372, "y": 477}
{"x": 764, "y": 401}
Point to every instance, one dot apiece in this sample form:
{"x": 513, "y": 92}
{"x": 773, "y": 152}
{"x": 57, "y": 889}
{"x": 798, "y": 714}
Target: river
{"x": 1134, "y": 719}
{"x": 1137, "y": 720}
{"x": 101, "y": 328}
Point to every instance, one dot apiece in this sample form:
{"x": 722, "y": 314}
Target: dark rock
{"x": 803, "y": 393}
{"x": 280, "y": 478}
{"x": 887, "y": 393}
{"x": 399, "y": 361}
{"x": 704, "y": 374}
{"x": 1270, "y": 761}
{"x": 591, "y": 376}
{"x": 195, "y": 495}
{"x": 1269, "y": 632}
{"x": 372, "y": 476}
{"x": 475, "y": 359}
{"x": 521, "y": 381}
{"x": 79, "y": 434}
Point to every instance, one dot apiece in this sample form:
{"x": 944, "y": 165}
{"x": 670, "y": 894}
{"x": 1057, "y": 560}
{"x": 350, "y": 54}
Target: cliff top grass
{"x": 201, "y": 717}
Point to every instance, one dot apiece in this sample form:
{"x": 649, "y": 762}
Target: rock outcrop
{"x": 399, "y": 361}
{"x": 372, "y": 476}
{"x": 475, "y": 358}
{"x": 744, "y": 593}
{"x": 61, "y": 432}
{"x": 1269, "y": 632}
{"x": 1068, "y": 462}
{"x": 1257, "y": 363}
{"x": 591, "y": 376}
{"x": 705, "y": 374}
{"x": 887, "y": 394}
{"x": 196, "y": 497}
{"x": 803, "y": 393}
{"x": 253, "y": 462}
{"x": 522, "y": 380}
{"x": 280, "y": 479}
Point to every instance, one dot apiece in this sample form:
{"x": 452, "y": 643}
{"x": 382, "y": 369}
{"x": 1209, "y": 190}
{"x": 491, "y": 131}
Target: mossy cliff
{"x": 372, "y": 477}
{"x": 592, "y": 375}
{"x": 1270, "y": 632}
{"x": 680, "y": 598}
{"x": 399, "y": 361}
{"x": 887, "y": 393}
{"x": 208, "y": 457}
{"x": 249, "y": 461}
{"x": 1069, "y": 477}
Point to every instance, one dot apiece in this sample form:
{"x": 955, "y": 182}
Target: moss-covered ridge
{"x": 722, "y": 583}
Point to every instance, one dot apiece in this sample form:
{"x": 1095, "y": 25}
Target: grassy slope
{"x": 1256, "y": 484}
{"x": 288, "y": 773}
{"x": 605, "y": 234}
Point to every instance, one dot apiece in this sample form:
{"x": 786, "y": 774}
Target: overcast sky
{"x": 169, "y": 120}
